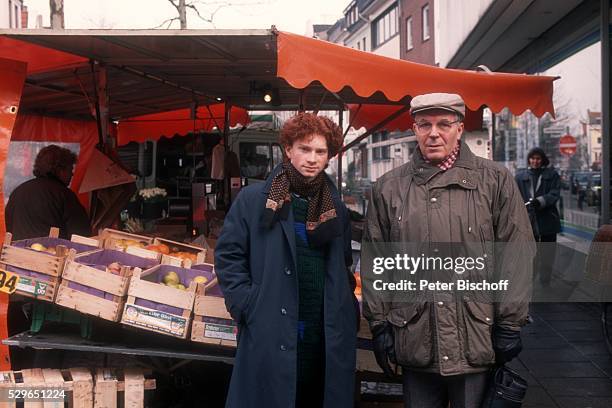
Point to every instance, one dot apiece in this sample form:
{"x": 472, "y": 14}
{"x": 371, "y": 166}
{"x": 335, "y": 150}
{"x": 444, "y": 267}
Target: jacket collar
{"x": 423, "y": 171}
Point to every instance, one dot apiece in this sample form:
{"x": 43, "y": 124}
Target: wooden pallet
{"x": 115, "y": 239}
{"x": 176, "y": 325}
{"x": 116, "y": 285}
{"x": 114, "y": 387}
{"x": 76, "y": 382}
{"x": 33, "y": 261}
{"x": 212, "y": 323}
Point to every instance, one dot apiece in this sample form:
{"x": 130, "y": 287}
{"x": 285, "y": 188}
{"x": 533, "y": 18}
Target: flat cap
{"x": 449, "y": 102}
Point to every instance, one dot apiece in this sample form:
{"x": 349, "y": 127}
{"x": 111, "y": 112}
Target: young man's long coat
{"x": 256, "y": 268}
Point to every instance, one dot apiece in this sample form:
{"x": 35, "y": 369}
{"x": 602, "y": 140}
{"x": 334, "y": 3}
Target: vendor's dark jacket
{"x": 41, "y": 203}
{"x": 545, "y": 220}
{"x": 256, "y": 268}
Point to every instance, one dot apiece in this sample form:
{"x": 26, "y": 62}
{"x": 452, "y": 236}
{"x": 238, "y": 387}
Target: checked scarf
{"x": 322, "y": 223}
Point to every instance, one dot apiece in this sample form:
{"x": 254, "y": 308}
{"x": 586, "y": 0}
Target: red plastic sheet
{"x": 368, "y": 116}
{"x": 33, "y": 128}
{"x": 39, "y": 59}
{"x": 11, "y": 86}
{"x": 153, "y": 126}
{"x": 302, "y": 60}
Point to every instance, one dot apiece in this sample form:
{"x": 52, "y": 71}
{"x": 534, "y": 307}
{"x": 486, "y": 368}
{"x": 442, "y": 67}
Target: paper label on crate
{"x": 220, "y": 331}
{"x": 156, "y": 320}
{"x": 27, "y": 285}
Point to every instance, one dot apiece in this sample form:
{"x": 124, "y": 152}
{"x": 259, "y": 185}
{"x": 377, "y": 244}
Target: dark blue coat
{"x": 256, "y": 270}
{"x": 545, "y": 220}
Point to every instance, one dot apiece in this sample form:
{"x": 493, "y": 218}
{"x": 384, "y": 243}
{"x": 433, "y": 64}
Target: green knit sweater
{"x": 311, "y": 286}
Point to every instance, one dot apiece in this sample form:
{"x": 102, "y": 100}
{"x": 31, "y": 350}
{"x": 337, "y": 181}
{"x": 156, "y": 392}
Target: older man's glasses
{"x": 443, "y": 126}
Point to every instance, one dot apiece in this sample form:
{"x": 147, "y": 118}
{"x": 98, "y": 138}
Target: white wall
{"x": 5, "y": 5}
{"x": 453, "y": 21}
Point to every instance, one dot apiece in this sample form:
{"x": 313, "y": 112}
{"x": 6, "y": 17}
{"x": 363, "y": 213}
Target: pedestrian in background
{"x": 540, "y": 187}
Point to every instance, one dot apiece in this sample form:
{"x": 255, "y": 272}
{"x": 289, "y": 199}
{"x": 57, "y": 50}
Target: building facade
{"x": 11, "y": 14}
{"x": 417, "y": 33}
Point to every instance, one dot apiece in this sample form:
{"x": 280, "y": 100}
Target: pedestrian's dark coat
{"x": 256, "y": 270}
{"x": 41, "y": 203}
{"x": 546, "y": 220}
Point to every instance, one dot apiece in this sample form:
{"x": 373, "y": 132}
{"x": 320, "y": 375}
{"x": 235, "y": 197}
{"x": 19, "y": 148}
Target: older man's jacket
{"x": 475, "y": 202}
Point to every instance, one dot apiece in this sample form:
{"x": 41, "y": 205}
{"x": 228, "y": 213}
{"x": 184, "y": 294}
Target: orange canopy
{"x": 368, "y": 116}
{"x": 39, "y": 59}
{"x": 302, "y": 60}
{"x": 153, "y": 126}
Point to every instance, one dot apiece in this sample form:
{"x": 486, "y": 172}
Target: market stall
{"x": 105, "y": 77}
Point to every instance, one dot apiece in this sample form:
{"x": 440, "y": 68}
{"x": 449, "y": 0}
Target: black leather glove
{"x": 506, "y": 344}
{"x": 383, "y": 344}
{"x": 534, "y": 203}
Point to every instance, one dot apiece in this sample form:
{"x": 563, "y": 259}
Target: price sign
{"x": 8, "y": 281}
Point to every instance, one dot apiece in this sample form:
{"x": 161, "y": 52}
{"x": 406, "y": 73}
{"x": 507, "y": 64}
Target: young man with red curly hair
{"x": 282, "y": 261}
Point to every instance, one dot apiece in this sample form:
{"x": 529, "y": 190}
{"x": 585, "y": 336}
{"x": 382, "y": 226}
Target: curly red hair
{"x": 304, "y": 125}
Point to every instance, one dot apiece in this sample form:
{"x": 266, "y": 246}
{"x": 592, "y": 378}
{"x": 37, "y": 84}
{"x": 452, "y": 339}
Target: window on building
{"x": 351, "y": 16}
{"x": 409, "y": 42}
{"x": 381, "y": 152}
{"x": 364, "y": 44}
{"x": 358, "y": 45}
{"x": 425, "y": 25}
{"x": 385, "y": 27}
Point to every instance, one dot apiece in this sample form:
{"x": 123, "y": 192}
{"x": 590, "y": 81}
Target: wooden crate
{"x": 39, "y": 272}
{"x": 198, "y": 254}
{"x": 149, "y": 318}
{"x": 76, "y": 382}
{"x": 98, "y": 292}
{"x": 116, "y": 388}
{"x": 121, "y": 240}
{"x": 212, "y": 323}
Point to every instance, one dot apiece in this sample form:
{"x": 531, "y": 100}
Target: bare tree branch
{"x": 168, "y": 21}
{"x": 198, "y": 7}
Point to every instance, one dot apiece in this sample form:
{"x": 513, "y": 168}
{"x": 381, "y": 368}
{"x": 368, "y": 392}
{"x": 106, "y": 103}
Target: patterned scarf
{"x": 449, "y": 160}
{"x": 322, "y": 223}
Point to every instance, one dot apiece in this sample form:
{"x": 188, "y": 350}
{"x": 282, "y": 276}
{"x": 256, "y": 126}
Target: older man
{"x": 446, "y": 194}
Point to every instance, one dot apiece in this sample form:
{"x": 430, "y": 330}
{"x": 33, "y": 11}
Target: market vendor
{"x": 46, "y": 201}
{"x": 281, "y": 261}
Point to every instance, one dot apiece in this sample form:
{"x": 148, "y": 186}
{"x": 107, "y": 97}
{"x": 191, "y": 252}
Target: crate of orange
{"x": 177, "y": 253}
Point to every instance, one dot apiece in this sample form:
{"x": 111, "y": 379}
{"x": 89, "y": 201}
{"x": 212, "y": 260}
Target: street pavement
{"x": 564, "y": 359}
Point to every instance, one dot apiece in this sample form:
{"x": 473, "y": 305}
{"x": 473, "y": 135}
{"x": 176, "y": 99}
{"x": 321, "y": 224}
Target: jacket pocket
{"x": 412, "y": 333}
{"x": 250, "y": 303}
{"x": 478, "y": 322}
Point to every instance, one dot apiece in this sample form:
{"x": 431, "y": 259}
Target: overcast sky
{"x": 296, "y": 16}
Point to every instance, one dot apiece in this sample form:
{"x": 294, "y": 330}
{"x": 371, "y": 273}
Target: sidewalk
{"x": 564, "y": 358}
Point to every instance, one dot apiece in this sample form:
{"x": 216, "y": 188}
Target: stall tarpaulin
{"x": 303, "y": 60}
{"x": 11, "y": 86}
{"x": 38, "y": 58}
{"x": 34, "y": 128}
{"x": 155, "y": 125}
{"x": 13, "y": 77}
